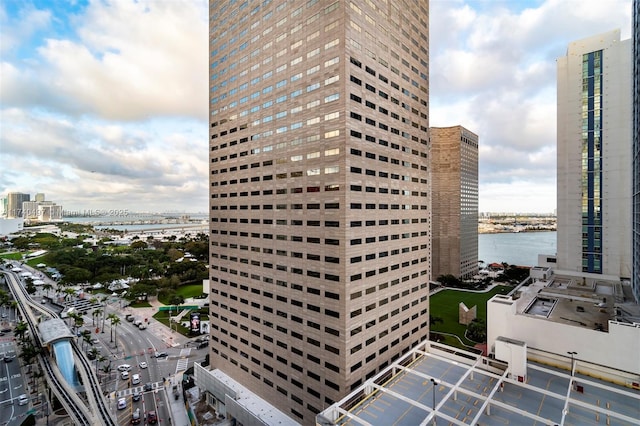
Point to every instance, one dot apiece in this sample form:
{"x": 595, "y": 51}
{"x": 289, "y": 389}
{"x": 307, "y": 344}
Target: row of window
{"x": 316, "y": 274}
{"x": 268, "y": 374}
{"x": 299, "y": 140}
{"x": 326, "y": 259}
{"x": 317, "y": 188}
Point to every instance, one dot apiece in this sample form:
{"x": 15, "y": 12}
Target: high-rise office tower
{"x": 635, "y": 279}
{"x": 594, "y": 147}
{"x": 14, "y": 204}
{"x": 320, "y": 197}
{"x": 454, "y": 184}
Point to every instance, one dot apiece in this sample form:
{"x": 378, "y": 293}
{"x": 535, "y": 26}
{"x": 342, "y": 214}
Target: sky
{"x": 104, "y": 104}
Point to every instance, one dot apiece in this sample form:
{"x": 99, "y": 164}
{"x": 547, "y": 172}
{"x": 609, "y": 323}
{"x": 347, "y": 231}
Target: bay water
{"x": 516, "y": 248}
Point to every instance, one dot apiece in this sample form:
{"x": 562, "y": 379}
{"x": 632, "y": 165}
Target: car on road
{"x": 147, "y": 387}
{"x": 135, "y": 417}
{"x": 143, "y": 364}
{"x": 4, "y": 315}
{"x": 161, "y": 354}
{"x": 135, "y": 379}
{"x": 8, "y": 358}
{"x": 122, "y": 404}
{"x": 23, "y": 399}
{"x": 95, "y": 341}
{"x": 124, "y": 375}
{"x": 152, "y": 417}
{"x": 137, "y": 395}
{"x": 124, "y": 367}
{"x": 203, "y": 345}
{"x": 6, "y": 330}
{"x": 91, "y": 355}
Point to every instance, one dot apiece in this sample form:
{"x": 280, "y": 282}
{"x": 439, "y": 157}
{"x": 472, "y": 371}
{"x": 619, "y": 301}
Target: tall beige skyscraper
{"x": 320, "y": 193}
{"x": 454, "y": 172}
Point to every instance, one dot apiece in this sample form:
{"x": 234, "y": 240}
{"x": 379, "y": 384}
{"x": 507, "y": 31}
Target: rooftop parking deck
{"x": 467, "y": 389}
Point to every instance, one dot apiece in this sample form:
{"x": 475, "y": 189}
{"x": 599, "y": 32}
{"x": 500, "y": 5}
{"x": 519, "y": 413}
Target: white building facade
{"x": 594, "y": 147}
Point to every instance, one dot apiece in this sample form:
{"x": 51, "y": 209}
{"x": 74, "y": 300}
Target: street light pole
{"x": 435, "y": 383}
{"x": 572, "y": 354}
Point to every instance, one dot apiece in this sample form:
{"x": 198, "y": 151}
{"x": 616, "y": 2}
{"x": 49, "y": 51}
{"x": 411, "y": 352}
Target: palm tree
{"x": 86, "y": 338}
{"x": 115, "y": 322}
{"x": 99, "y": 358}
{"x": 68, "y": 292}
{"x": 95, "y": 314}
{"x": 111, "y": 318}
{"x": 21, "y": 330}
{"x": 94, "y": 352}
{"x": 46, "y": 287}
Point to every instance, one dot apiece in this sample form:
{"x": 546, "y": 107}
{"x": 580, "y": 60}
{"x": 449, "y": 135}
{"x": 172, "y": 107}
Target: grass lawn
{"x": 186, "y": 291}
{"x": 12, "y": 256}
{"x": 163, "y": 317}
{"x": 445, "y": 305}
{"x": 140, "y": 304}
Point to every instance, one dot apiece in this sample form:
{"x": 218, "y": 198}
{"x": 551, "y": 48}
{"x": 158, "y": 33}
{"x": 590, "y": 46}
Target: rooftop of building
{"x": 260, "y": 409}
{"x": 468, "y": 389}
{"x": 578, "y": 301}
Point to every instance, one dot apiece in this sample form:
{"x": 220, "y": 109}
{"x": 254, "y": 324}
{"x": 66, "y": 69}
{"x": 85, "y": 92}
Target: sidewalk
{"x": 176, "y": 407}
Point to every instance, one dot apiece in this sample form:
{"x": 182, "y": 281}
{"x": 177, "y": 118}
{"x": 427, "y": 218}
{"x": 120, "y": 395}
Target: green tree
{"x": 21, "y": 330}
{"x": 139, "y": 245}
{"x": 477, "y": 331}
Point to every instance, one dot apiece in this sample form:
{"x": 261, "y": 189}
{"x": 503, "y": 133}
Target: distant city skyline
{"x": 103, "y": 108}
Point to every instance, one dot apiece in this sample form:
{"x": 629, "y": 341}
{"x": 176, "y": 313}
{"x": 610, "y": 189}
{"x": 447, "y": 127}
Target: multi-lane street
{"x": 155, "y": 354}
{"x": 14, "y": 396}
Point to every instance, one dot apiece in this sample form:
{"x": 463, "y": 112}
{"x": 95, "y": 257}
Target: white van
{"x": 135, "y": 379}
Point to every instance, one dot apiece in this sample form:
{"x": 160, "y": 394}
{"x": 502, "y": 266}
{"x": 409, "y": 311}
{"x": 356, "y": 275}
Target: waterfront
{"x": 517, "y": 248}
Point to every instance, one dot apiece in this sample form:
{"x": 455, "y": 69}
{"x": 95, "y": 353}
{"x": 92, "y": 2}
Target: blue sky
{"x": 103, "y": 105}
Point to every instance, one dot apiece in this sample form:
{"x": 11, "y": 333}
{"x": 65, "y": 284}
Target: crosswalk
{"x": 183, "y": 361}
{"x": 132, "y": 390}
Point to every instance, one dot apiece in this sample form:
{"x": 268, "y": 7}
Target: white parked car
{"x": 143, "y": 364}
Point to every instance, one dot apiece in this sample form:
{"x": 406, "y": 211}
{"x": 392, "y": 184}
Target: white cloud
{"x": 113, "y": 107}
{"x": 131, "y": 61}
{"x": 493, "y": 71}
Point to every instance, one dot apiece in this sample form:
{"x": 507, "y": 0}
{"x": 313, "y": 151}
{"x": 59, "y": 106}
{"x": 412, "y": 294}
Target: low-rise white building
{"x": 585, "y": 317}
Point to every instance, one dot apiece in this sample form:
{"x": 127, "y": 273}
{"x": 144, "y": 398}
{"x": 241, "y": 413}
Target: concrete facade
{"x": 320, "y": 194}
{"x": 568, "y": 315}
{"x": 454, "y": 171}
{"x": 635, "y": 278}
{"x": 594, "y": 147}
